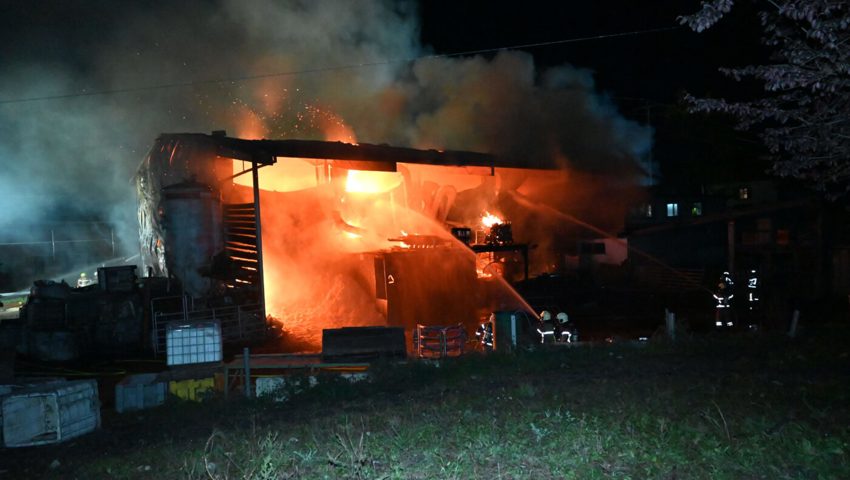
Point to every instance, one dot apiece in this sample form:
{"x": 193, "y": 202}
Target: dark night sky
{"x": 654, "y": 65}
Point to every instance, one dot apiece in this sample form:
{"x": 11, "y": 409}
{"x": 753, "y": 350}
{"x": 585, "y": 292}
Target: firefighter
{"x": 723, "y": 308}
{"x": 753, "y": 301}
{"x": 753, "y": 290}
{"x": 726, "y": 278}
{"x": 545, "y": 327}
{"x": 84, "y": 281}
{"x": 485, "y": 333}
{"x": 563, "y": 332}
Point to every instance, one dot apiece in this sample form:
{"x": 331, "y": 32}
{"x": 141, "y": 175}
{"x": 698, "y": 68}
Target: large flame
{"x": 489, "y": 219}
{"x": 288, "y": 175}
{"x": 323, "y": 228}
{"x": 371, "y": 182}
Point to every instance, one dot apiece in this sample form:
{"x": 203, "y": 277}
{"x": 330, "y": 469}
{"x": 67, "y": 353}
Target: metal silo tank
{"x": 192, "y": 220}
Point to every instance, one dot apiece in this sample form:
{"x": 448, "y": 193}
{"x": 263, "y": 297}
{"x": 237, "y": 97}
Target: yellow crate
{"x": 192, "y": 389}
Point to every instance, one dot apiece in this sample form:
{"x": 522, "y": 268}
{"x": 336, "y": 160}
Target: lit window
{"x": 672, "y": 209}
{"x": 696, "y": 209}
{"x": 744, "y": 193}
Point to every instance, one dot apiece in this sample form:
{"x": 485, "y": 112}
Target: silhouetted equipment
{"x": 362, "y": 343}
{"x": 463, "y": 234}
{"x": 61, "y": 323}
{"x": 500, "y": 234}
{"x": 117, "y": 279}
{"x": 420, "y": 285}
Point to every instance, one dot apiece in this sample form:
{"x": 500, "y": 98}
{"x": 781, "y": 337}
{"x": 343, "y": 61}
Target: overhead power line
{"x": 144, "y": 88}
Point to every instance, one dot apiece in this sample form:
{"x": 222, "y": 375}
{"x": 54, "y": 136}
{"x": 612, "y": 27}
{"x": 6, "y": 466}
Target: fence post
{"x": 185, "y": 308}
{"x": 246, "y": 365}
{"x": 670, "y": 319}
{"x": 443, "y": 340}
{"x": 155, "y": 338}
{"x": 795, "y": 318}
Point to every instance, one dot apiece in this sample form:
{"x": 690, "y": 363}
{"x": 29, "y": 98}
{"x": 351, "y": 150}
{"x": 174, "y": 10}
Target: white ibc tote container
{"x": 50, "y": 413}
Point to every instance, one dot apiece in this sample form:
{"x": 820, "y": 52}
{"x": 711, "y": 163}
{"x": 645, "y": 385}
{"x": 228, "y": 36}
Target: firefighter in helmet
{"x": 726, "y": 278}
{"x": 485, "y": 333}
{"x": 545, "y": 328}
{"x": 564, "y": 332}
{"x": 84, "y": 281}
{"x": 723, "y": 306}
{"x": 753, "y": 300}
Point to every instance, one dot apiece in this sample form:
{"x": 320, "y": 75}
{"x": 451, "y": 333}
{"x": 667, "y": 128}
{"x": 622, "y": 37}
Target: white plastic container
{"x": 192, "y": 343}
{"x": 137, "y": 392}
{"x": 50, "y": 413}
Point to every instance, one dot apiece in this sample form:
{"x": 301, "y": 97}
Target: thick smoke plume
{"x": 83, "y": 151}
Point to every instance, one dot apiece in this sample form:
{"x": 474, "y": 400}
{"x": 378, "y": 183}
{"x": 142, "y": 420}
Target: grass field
{"x": 714, "y": 408}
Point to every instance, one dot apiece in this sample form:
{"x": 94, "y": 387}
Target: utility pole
{"x": 730, "y": 240}
{"x": 650, "y": 159}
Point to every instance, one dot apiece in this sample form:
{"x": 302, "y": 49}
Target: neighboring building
{"x": 685, "y": 240}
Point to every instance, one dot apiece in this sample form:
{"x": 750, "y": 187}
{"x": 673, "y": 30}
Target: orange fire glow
{"x": 371, "y": 182}
{"x": 293, "y": 175}
{"x": 489, "y": 219}
{"x": 323, "y": 227}
{"x": 290, "y": 174}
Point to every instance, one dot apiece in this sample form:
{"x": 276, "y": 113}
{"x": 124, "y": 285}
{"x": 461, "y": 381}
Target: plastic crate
{"x": 51, "y": 413}
{"x": 192, "y": 343}
{"x": 137, "y": 392}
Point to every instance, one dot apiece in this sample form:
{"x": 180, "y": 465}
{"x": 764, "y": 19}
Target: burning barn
{"x": 305, "y": 236}
{"x": 330, "y": 235}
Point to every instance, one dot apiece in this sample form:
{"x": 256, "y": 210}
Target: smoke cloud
{"x": 82, "y": 152}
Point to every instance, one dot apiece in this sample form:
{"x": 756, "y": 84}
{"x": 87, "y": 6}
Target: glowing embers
{"x": 372, "y": 182}
{"x": 421, "y": 241}
{"x": 489, "y": 265}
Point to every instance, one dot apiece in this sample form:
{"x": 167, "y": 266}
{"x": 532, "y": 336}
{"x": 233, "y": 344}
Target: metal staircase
{"x": 240, "y": 242}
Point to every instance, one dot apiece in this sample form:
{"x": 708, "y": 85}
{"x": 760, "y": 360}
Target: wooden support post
{"x": 259, "y": 229}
